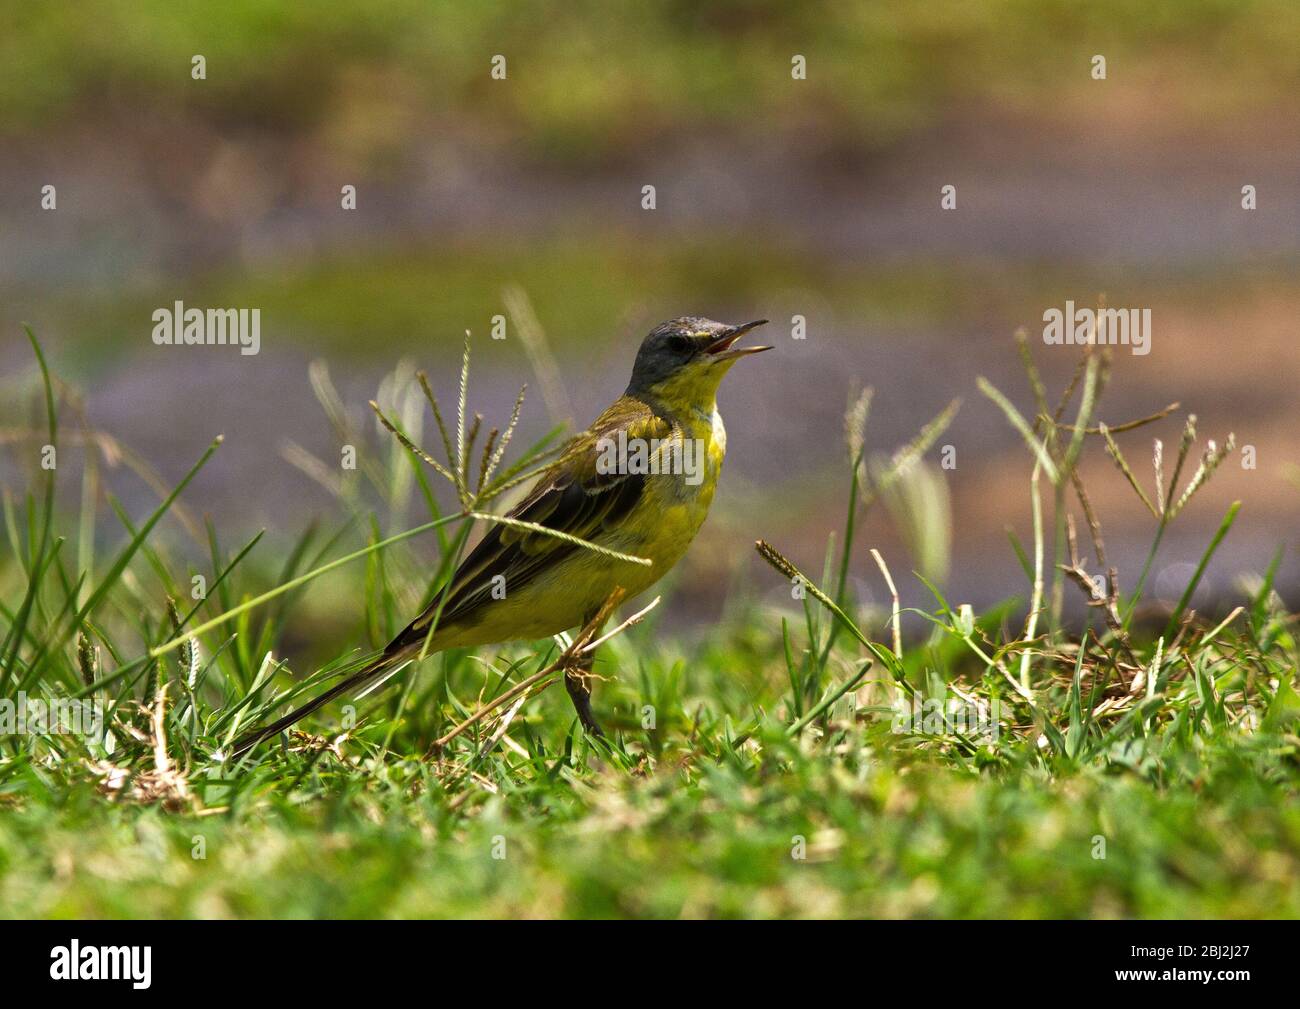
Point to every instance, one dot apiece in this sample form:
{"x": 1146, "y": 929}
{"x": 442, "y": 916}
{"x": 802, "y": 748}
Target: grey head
{"x": 688, "y": 344}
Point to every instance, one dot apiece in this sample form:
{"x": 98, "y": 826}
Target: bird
{"x": 639, "y": 481}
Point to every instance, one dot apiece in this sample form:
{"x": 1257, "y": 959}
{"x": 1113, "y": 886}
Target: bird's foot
{"x": 576, "y": 682}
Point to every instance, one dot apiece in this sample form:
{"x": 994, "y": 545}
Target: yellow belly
{"x": 660, "y": 528}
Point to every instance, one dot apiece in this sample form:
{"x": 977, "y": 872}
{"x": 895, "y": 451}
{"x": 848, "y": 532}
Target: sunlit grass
{"x": 762, "y": 769}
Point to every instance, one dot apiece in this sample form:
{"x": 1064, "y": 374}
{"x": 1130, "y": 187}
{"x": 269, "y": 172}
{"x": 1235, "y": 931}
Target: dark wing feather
{"x": 572, "y": 497}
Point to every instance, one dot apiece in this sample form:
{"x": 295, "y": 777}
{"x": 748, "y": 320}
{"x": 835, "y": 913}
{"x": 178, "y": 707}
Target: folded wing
{"x": 572, "y": 496}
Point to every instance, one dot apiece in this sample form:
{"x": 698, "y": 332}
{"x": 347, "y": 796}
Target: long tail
{"x": 391, "y": 657}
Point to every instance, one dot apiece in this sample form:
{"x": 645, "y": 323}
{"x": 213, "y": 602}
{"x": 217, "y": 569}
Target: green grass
{"x": 756, "y": 769}
{"x": 588, "y": 81}
{"x": 355, "y": 304}
{"x": 358, "y": 304}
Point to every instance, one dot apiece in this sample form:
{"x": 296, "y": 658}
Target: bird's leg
{"x": 577, "y": 680}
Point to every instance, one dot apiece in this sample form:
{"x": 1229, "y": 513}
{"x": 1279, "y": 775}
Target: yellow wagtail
{"x": 639, "y": 481}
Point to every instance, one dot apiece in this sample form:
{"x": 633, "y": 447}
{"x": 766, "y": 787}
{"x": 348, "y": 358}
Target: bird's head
{"x": 683, "y": 360}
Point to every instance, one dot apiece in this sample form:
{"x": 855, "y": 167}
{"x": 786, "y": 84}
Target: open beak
{"x": 721, "y": 348}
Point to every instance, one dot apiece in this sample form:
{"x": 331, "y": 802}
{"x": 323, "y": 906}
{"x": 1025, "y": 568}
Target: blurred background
{"x": 775, "y": 197}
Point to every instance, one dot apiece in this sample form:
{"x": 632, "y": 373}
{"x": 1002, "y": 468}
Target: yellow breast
{"x": 660, "y": 528}
{"x": 676, "y": 505}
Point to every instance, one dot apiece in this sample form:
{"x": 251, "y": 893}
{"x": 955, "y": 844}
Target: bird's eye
{"x": 681, "y": 344}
